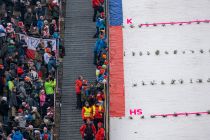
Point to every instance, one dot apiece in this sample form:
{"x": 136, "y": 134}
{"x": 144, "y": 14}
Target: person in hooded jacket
{"x": 17, "y": 135}
{"x": 97, "y": 6}
{"x": 4, "y": 108}
{"x": 100, "y": 135}
{"x": 88, "y": 130}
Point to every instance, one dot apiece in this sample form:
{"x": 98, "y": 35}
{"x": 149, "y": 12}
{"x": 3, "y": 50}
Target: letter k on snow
{"x": 129, "y": 21}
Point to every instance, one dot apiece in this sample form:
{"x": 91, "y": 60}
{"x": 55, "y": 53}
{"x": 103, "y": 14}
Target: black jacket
{"x": 4, "y": 108}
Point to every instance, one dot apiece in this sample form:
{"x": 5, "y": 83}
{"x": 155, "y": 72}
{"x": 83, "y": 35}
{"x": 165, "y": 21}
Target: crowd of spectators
{"x": 27, "y": 86}
{"x": 91, "y": 96}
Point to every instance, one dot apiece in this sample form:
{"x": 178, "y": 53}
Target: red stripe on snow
{"x": 172, "y": 23}
{"x": 117, "y": 96}
{"x": 181, "y": 114}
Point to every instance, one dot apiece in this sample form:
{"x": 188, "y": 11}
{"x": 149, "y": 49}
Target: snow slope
{"x": 141, "y": 63}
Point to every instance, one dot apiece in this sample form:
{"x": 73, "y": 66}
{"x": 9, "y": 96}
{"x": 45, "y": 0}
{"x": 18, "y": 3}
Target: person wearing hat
{"x": 28, "y": 85}
{"x": 88, "y": 130}
{"x": 97, "y": 6}
{"x": 45, "y": 31}
{"x": 55, "y": 10}
{"x": 37, "y": 135}
{"x": 28, "y": 133}
{"x": 100, "y": 24}
{"x": 11, "y": 47}
{"x": 100, "y": 135}
{"x": 4, "y": 108}
{"x": 46, "y": 135}
{"x": 39, "y": 10}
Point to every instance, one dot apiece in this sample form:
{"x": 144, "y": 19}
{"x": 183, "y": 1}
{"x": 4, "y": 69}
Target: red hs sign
{"x": 135, "y": 111}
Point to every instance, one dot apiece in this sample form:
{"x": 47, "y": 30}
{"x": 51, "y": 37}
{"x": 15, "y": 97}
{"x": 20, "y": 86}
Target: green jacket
{"x": 49, "y": 87}
{"x": 10, "y": 85}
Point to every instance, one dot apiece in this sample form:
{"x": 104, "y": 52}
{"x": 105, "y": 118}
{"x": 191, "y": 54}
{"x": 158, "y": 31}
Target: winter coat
{"x": 13, "y": 100}
{"x": 17, "y": 136}
{"x": 42, "y": 99}
{"x": 46, "y": 136}
{"x": 78, "y": 86}
{"x": 40, "y": 24}
{"x": 49, "y": 87}
{"x": 100, "y": 134}
{"x": 28, "y": 18}
{"x": 10, "y": 85}
{"x": 83, "y": 128}
{"x": 4, "y": 108}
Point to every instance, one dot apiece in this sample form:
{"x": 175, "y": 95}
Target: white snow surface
{"x": 163, "y": 99}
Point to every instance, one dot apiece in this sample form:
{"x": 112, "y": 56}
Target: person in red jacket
{"x": 100, "y": 135}
{"x": 98, "y": 114}
{"x": 78, "y": 88}
{"x": 97, "y": 6}
{"x": 88, "y": 130}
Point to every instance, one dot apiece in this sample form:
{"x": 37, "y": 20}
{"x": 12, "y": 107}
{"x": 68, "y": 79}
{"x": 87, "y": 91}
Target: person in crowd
{"x": 87, "y": 112}
{"x": 54, "y": 9}
{"x": 49, "y": 85}
{"x": 97, "y": 6}
{"x": 40, "y": 23}
{"x": 78, "y": 88}
{"x": 46, "y": 135}
{"x": 4, "y": 108}
{"x": 17, "y": 134}
{"x": 100, "y": 24}
{"x": 100, "y": 135}
{"x": 28, "y": 19}
{"x": 39, "y": 10}
{"x": 88, "y": 130}
{"x": 24, "y": 103}
{"x": 52, "y": 63}
{"x": 98, "y": 114}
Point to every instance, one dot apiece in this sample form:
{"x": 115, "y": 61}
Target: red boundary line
{"x": 173, "y": 23}
{"x": 180, "y": 114}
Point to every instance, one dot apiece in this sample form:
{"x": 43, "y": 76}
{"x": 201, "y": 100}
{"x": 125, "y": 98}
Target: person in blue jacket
{"x": 100, "y": 24}
{"x": 40, "y": 24}
{"x": 100, "y": 44}
{"x": 17, "y": 135}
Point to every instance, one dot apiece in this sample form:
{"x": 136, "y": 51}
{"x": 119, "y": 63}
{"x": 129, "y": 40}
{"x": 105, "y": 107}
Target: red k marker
{"x": 129, "y": 21}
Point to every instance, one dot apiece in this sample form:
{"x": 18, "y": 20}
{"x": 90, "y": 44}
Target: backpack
{"x": 88, "y": 131}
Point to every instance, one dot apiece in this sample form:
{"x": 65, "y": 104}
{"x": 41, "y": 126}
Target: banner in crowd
{"x": 33, "y": 42}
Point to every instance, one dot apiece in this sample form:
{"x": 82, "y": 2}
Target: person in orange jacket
{"x": 98, "y": 114}
{"x": 88, "y": 130}
{"x": 100, "y": 135}
{"x": 87, "y": 112}
{"x": 78, "y": 88}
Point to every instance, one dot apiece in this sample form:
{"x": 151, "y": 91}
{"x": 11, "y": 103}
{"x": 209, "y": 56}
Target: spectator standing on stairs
{"x": 87, "y": 112}
{"x": 97, "y": 6}
{"x": 88, "y": 130}
{"x": 100, "y": 135}
{"x": 78, "y": 89}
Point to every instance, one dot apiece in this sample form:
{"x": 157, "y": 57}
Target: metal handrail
{"x": 107, "y": 85}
